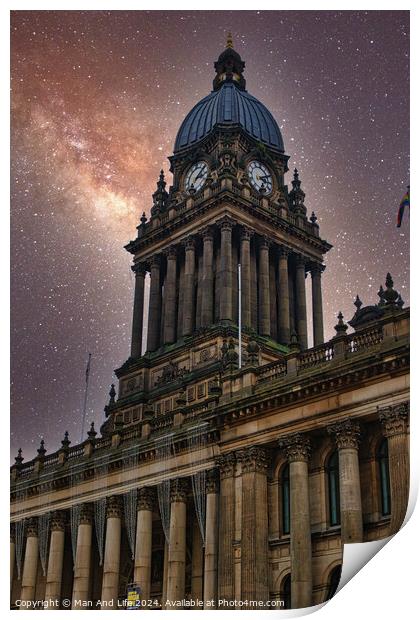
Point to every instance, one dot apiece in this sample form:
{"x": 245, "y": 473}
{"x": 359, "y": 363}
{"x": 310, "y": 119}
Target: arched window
{"x": 333, "y": 581}
{"x": 383, "y": 462}
{"x": 285, "y": 500}
{"x": 286, "y": 592}
{"x": 333, "y": 489}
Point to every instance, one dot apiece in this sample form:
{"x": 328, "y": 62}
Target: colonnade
{"x": 213, "y": 571}
{"x": 194, "y": 285}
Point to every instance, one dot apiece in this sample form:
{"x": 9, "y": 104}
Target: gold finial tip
{"x": 229, "y": 42}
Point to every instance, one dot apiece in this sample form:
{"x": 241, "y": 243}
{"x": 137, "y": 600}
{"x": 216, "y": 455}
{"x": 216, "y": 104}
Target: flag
{"x": 88, "y": 368}
{"x": 405, "y": 202}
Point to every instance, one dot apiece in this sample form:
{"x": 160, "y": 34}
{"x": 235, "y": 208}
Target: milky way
{"x": 97, "y": 98}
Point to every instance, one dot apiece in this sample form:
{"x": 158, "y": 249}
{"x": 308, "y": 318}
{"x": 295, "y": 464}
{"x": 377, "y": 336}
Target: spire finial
{"x": 229, "y": 40}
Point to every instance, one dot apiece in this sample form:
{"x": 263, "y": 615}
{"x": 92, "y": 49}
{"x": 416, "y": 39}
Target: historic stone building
{"x": 223, "y": 474}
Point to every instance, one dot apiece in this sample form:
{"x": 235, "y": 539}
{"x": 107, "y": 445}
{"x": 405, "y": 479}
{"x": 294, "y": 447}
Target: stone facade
{"x": 216, "y": 483}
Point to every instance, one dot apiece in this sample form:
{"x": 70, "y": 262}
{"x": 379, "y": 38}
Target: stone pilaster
{"x": 317, "y": 313}
{"x": 55, "y": 559}
{"x": 169, "y": 321}
{"x": 264, "y": 288}
{"x": 189, "y": 275}
{"x": 177, "y": 540}
{"x": 155, "y": 305}
{"x": 226, "y": 587}
{"x": 143, "y": 554}
{"x": 346, "y": 435}
{"x": 301, "y": 320}
{"x": 394, "y": 421}
{"x": 226, "y": 277}
{"x": 254, "y": 543}
{"x": 82, "y": 567}
{"x": 246, "y": 235}
{"x": 137, "y": 329}
{"x": 30, "y": 564}
{"x": 12, "y": 552}
{"x": 297, "y": 448}
{"x": 111, "y": 570}
{"x": 207, "y": 301}
{"x": 283, "y": 297}
{"x": 211, "y": 542}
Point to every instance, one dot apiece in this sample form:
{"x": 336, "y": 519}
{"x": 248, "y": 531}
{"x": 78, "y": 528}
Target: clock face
{"x": 260, "y": 177}
{"x": 196, "y": 176}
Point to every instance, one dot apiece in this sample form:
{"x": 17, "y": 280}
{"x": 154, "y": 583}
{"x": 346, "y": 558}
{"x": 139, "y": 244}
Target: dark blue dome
{"x": 229, "y": 106}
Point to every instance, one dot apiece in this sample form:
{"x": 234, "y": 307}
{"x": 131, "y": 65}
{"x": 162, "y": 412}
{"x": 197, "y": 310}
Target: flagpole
{"x": 85, "y": 399}
{"x": 240, "y": 314}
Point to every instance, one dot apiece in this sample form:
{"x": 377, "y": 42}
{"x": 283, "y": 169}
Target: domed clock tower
{"x": 228, "y": 224}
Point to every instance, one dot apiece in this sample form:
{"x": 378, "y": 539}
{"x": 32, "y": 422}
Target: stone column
{"x": 137, "y": 329}
{"x": 189, "y": 274}
{"x": 226, "y": 281}
{"x": 301, "y": 322}
{"x": 210, "y": 551}
{"x": 207, "y": 301}
{"x": 264, "y": 288}
{"x": 55, "y": 561}
{"x": 298, "y": 449}
{"x": 226, "y": 586}
{"x": 12, "y": 552}
{"x": 283, "y": 297}
{"x": 30, "y": 564}
{"x": 347, "y": 437}
{"x": 246, "y": 234}
{"x": 111, "y": 570}
{"x": 143, "y": 555}
{"x": 81, "y": 580}
{"x": 177, "y": 540}
{"x": 394, "y": 421}
{"x": 254, "y": 544}
{"x": 196, "y": 564}
{"x": 317, "y": 314}
{"x": 169, "y": 322}
{"x": 155, "y": 305}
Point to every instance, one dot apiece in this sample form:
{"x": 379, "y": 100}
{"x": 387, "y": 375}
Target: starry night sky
{"x": 97, "y": 98}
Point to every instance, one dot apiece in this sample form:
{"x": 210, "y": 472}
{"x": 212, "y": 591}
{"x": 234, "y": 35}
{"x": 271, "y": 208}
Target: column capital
{"x": 207, "y": 233}
{"x": 254, "y": 458}
{"x": 155, "y": 260}
{"x": 264, "y": 242}
{"x": 394, "y": 419}
{"x": 189, "y": 243}
{"x": 86, "y": 514}
{"x": 284, "y": 252}
{"x": 139, "y": 269}
{"x": 300, "y": 260}
{"x": 246, "y": 233}
{"x": 226, "y": 464}
{"x": 179, "y": 490}
{"x": 346, "y": 433}
{"x": 297, "y": 447}
{"x": 316, "y": 269}
{"x": 212, "y": 481}
{"x": 225, "y": 223}
{"x": 170, "y": 253}
{"x": 58, "y": 521}
{"x": 146, "y": 498}
{"x": 32, "y": 527}
{"x": 114, "y": 507}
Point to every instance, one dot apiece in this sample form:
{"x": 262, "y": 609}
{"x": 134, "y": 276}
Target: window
{"x": 383, "y": 462}
{"x": 333, "y": 489}
{"x": 285, "y": 500}
{"x": 333, "y": 581}
{"x": 286, "y": 592}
